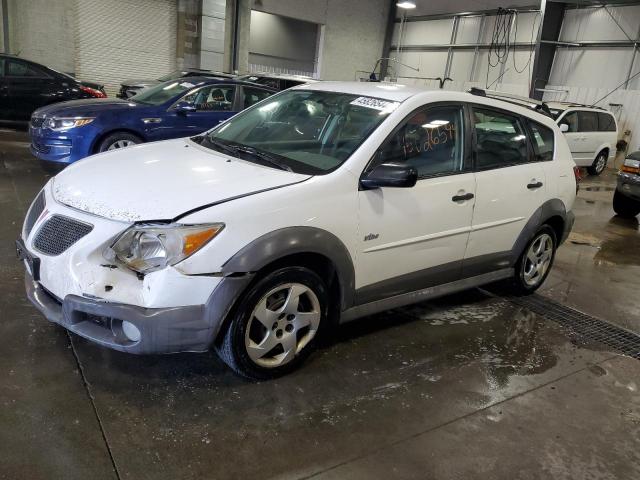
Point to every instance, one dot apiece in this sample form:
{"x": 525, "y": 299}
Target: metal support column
{"x": 454, "y": 36}
{"x": 475, "y": 52}
{"x": 388, "y": 38}
{"x": 552, "y": 15}
{"x": 5, "y": 26}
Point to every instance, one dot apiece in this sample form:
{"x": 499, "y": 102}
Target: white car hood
{"x": 161, "y": 181}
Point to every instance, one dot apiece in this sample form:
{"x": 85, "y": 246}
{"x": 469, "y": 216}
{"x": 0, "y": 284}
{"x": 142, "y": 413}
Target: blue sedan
{"x": 66, "y": 132}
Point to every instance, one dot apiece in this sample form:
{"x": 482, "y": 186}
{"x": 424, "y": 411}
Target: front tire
{"x": 535, "y": 263}
{"x": 599, "y": 164}
{"x": 624, "y": 206}
{"x": 118, "y": 140}
{"x": 275, "y": 325}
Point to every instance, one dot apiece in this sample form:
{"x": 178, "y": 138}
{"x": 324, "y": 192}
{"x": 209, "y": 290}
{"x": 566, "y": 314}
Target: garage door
{"x": 125, "y": 39}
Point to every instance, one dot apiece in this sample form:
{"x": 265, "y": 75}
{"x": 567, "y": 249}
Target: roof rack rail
{"x": 576, "y": 104}
{"x": 537, "y": 105}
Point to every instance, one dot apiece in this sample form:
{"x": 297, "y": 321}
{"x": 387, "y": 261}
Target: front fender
{"x": 294, "y": 240}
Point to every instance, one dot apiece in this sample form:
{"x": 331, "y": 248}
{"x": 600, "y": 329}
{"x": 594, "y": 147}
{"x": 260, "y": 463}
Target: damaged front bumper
{"x": 139, "y": 330}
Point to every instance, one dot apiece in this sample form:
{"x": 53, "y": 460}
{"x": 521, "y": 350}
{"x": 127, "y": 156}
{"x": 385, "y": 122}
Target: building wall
{"x": 112, "y": 48}
{"x": 277, "y": 41}
{"x": 212, "y": 35}
{"x": 352, "y": 36}
{"x": 425, "y": 60}
{"x": 597, "y": 67}
{"x": 43, "y": 31}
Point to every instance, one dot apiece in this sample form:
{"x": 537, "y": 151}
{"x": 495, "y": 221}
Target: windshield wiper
{"x": 236, "y": 150}
{"x": 265, "y": 157}
{"x": 221, "y": 146}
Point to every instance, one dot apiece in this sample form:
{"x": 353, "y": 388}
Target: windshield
{"x": 159, "y": 94}
{"x": 311, "y": 132}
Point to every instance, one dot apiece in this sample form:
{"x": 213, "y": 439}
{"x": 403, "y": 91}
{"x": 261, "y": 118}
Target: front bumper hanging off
{"x": 190, "y": 328}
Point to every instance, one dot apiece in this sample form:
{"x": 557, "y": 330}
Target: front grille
{"x": 36, "y": 122}
{"x": 58, "y": 233}
{"x": 34, "y": 213}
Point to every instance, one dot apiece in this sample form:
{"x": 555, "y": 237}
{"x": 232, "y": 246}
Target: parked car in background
{"x": 61, "y": 134}
{"x": 592, "y": 134}
{"x": 626, "y": 198}
{"x": 276, "y": 80}
{"x": 129, "y": 88}
{"x": 26, "y": 86}
{"x": 325, "y": 203}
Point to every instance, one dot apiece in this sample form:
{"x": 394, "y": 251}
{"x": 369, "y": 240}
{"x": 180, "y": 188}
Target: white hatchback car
{"x": 592, "y": 134}
{"x": 323, "y": 203}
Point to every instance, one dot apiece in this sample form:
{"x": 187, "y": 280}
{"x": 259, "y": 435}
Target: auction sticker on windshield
{"x": 375, "y": 103}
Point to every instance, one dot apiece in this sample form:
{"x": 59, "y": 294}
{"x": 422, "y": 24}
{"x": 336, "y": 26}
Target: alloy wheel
{"x": 601, "y": 163}
{"x": 538, "y": 260}
{"x": 283, "y": 322}
{"x": 120, "y": 144}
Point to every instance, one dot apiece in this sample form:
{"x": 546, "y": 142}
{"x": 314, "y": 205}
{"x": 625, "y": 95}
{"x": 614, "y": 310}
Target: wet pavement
{"x": 468, "y": 386}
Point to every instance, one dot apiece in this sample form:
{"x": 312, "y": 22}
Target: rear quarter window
{"x": 543, "y": 141}
{"x": 606, "y": 122}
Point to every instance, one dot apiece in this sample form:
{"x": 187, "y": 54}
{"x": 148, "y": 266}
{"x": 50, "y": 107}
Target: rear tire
{"x": 275, "y": 325}
{"x": 118, "y": 140}
{"x": 534, "y": 263}
{"x": 599, "y": 164}
{"x": 624, "y": 206}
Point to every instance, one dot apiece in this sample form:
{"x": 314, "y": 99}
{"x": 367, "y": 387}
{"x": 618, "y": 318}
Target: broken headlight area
{"x": 147, "y": 248}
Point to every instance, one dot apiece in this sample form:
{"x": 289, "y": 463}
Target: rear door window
{"x": 606, "y": 123}
{"x": 543, "y": 143}
{"x": 501, "y": 140}
{"x": 587, "y": 122}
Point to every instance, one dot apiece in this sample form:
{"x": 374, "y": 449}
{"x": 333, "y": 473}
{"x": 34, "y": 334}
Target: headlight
{"x": 58, "y": 124}
{"x": 147, "y": 248}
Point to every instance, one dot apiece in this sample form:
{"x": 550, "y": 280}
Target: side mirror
{"x": 564, "y": 127}
{"x": 184, "y": 107}
{"x": 390, "y": 175}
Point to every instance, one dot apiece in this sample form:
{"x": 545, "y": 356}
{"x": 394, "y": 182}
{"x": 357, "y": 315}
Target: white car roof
{"x": 388, "y": 91}
{"x": 399, "y": 93}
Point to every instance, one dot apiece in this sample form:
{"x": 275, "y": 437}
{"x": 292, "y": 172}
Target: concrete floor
{"x": 469, "y": 386}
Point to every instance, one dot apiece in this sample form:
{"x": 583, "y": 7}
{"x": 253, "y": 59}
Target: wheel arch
{"x": 553, "y": 213}
{"x": 98, "y": 140}
{"x": 314, "y": 248}
{"x": 605, "y": 147}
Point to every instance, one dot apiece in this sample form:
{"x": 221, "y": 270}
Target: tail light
{"x": 576, "y": 173}
{"x": 93, "y": 92}
{"x": 630, "y": 165}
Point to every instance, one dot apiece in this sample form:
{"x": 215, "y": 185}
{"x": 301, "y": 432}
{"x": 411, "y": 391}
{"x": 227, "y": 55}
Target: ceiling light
{"x": 408, "y": 4}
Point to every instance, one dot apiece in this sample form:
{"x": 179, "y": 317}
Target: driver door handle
{"x": 462, "y": 198}
{"x": 533, "y": 186}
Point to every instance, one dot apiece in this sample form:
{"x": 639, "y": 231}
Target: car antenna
{"x": 626, "y": 81}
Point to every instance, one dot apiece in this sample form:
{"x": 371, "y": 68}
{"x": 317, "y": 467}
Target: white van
{"x": 591, "y": 133}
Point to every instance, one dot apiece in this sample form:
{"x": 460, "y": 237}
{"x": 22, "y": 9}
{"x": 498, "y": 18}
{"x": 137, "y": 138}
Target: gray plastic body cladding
{"x": 163, "y": 330}
{"x": 551, "y": 208}
{"x": 294, "y": 240}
